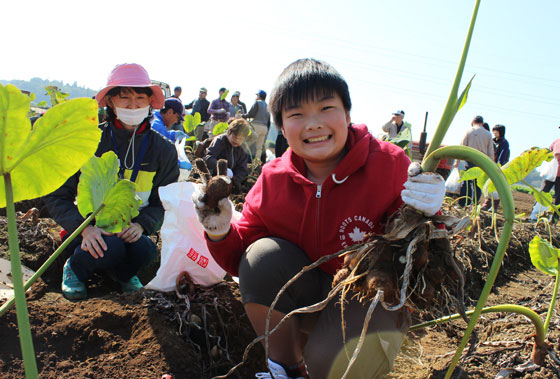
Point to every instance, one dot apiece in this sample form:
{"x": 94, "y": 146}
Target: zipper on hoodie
{"x": 318, "y": 193}
{"x": 318, "y": 219}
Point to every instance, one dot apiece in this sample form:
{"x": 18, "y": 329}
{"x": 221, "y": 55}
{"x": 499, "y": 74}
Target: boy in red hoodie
{"x": 334, "y": 185}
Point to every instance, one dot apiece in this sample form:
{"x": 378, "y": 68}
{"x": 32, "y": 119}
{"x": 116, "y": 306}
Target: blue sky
{"x": 393, "y": 54}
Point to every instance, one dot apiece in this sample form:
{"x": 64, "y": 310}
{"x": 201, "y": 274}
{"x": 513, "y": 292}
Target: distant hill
{"x": 37, "y": 86}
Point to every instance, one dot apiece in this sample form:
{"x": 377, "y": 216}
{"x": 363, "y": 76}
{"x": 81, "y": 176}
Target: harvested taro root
{"x": 217, "y": 187}
{"x": 413, "y": 263}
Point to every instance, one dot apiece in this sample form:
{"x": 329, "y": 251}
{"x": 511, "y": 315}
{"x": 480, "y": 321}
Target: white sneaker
{"x": 277, "y": 371}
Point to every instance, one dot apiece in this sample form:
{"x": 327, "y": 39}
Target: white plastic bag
{"x": 549, "y": 170}
{"x": 183, "y": 247}
{"x": 185, "y": 165}
{"x": 452, "y": 184}
{"x": 538, "y": 210}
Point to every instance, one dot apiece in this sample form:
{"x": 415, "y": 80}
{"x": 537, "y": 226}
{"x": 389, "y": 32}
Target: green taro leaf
{"x": 520, "y": 167}
{"x": 41, "y": 159}
{"x": 42, "y": 104}
{"x": 219, "y": 128}
{"x": 99, "y": 184}
{"x": 544, "y": 256}
{"x": 224, "y": 95}
{"x": 191, "y": 122}
{"x": 196, "y": 119}
{"x": 121, "y": 206}
{"x": 403, "y": 139}
{"x": 542, "y": 197}
{"x": 463, "y": 98}
{"x": 471, "y": 174}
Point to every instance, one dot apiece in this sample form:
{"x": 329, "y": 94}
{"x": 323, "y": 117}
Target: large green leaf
{"x": 470, "y": 174}
{"x": 521, "y": 166}
{"x": 224, "y": 95}
{"x": 41, "y": 159}
{"x": 219, "y": 128}
{"x": 402, "y": 139}
{"x": 121, "y": 206}
{"x": 544, "y": 256}
{"x": 463, "y": 98}
{"x": 543, "y": 198}
{"x": 190, "y": 122}
{"x": 99, "y": 184}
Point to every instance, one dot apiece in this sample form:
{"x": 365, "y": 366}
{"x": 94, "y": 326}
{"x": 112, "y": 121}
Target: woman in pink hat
{"x": 146, "y": 158}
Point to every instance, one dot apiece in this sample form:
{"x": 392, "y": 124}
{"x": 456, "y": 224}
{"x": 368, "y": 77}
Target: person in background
{"x": 146, "y": 158}
{"x": 219, "y": 112}
{"x": 200, "y": 105}
{"x": 261, "y": 123}
{"x": 501, "y": 156}
{"x": 486, "y": 126}
{"x": 397, "y": 127}
{"x": 478, "y": 138}
{"x": 228, "y": 146}
{"x": 549, "y": 184}
{"x": 243, "y": 106}
{"x": 177, "y": 92}
{"x": 164, "y": 119}
{"x": 236, "y": 109}
{"x": 335, "y": 184}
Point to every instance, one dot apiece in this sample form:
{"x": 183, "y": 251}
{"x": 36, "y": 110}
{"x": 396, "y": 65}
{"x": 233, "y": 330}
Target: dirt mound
{"x": 148, "y": 334}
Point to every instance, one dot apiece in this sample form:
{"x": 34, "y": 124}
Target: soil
{"x": 148, "y": 334}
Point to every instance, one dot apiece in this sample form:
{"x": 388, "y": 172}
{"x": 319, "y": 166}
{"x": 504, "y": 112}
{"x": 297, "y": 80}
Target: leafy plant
{"x": 190, "y": 123}
{"x": 219, "y": 128}
{"x": 35, "y": 162}
{"x": 103, "y": 197}
{"x": 224, "y": 95}
{"x": 56, "y": 95}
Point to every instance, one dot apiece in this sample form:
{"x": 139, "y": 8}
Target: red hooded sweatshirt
{"x": 356, "y": 199}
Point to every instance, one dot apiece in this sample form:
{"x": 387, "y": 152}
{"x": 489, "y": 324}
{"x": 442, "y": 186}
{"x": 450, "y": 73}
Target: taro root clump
{"x": 413, "y": 263}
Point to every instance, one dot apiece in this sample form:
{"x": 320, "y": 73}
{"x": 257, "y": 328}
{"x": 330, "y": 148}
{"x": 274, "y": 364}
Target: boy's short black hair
{"x": 306, "y": 79}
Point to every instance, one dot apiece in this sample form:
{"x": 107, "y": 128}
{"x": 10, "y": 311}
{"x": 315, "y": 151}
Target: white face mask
{"x": 132, "y": 116}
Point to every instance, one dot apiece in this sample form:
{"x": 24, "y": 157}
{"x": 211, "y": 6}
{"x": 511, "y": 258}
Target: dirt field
{"x": 148, "y": 334}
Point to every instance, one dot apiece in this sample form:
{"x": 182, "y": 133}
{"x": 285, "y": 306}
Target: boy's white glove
{"x": 210, "y": 199}
{"x": 216, "y": 220}
{"x": 423, "y": 191}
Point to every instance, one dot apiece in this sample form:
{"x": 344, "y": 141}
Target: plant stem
{"x": 8, "y": 304}
{"x": 26, "y": 341}
{"x": 504, "y": 191}
{"x": 553, "y": 300}
{"x": 509, "y": 308}
{"x": 451, "y": 106}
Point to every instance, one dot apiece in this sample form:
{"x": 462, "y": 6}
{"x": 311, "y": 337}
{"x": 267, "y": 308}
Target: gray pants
{"x": 270, "y": 262}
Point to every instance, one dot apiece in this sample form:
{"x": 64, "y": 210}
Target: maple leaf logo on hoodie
{"x": 357, "y": 235}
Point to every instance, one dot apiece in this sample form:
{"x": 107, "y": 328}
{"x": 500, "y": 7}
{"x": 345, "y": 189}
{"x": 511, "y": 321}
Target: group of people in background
{"x": 495, "y": 146}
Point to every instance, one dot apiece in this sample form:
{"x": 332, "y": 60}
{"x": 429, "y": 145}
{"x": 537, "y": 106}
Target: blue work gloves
{"x": 423, "y": 191}
{"x": 179, "y": 135}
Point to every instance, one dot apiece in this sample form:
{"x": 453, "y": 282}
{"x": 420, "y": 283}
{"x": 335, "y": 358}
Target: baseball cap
{"x": 399, "y": 113}
{"x": 130, "y": 75}
{"x": 203, "y": 89}
{"x": 223, "y": 89}
{"x": 478, "y": 120}
{"x": 261, "y": 93}
{"x": 176, "y": 105}
{"x": 236, "y": 93}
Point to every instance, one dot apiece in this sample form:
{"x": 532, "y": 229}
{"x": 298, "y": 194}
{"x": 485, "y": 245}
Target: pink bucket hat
{"x": 130, "y": 75}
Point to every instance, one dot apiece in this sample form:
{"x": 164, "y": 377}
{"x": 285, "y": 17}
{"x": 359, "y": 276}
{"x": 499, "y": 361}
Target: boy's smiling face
{"x": 317, "y": 129}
